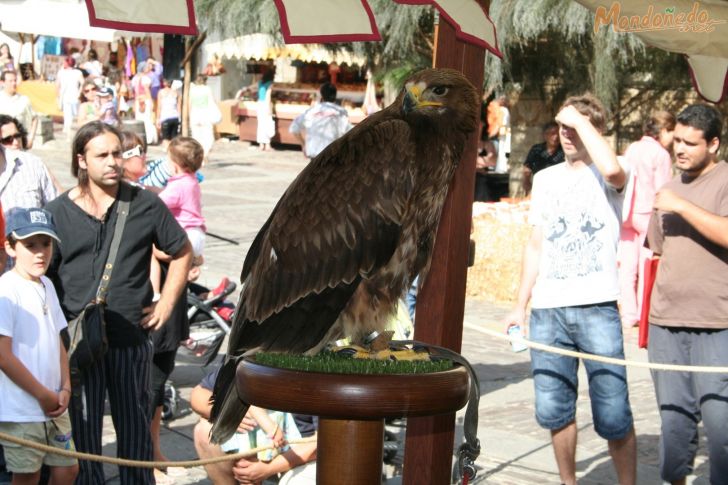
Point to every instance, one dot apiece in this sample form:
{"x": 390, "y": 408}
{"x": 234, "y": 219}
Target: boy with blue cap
{"x": 35, "y": 386}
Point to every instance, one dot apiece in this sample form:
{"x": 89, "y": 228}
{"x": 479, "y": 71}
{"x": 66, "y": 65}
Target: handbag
{"x": 87, "y": 332}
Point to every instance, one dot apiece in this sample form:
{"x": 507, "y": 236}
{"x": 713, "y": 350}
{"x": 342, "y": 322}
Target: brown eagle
{"x": 351, "y": 232}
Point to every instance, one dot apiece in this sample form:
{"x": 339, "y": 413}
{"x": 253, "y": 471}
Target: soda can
{"x": 514, "y": 330}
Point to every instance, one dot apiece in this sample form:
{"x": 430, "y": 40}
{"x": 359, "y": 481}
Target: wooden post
{"x": 441, "y": 301}
{"x": 357, "y": 463}
{"x": 190, "y": 49}
{"x": 186, "y": 92}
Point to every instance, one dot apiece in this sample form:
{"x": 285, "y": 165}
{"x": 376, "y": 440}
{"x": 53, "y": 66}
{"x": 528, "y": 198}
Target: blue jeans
{"x": 594, "y": 329}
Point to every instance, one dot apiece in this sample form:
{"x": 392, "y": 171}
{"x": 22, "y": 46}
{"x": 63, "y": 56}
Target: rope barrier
{"x": 599, "y": 358}
{"x": 236, "y": 456}
{"x": 139, "y": 463}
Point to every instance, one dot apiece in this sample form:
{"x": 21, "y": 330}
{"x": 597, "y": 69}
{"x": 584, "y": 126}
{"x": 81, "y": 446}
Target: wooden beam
{"x": 441, "y": 301}
{"x": 187, "y": 64}
{"x": 186, "y": 93}
{"x": 196, "y": 45}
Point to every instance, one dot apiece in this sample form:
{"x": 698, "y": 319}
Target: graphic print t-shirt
{"x": 580, "y": 217}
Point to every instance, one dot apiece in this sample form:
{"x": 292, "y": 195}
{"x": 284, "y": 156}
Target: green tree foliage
{"x": 549, "y": 47}
{"x": 552, "y": 40}
{"x": 406, "y": 31}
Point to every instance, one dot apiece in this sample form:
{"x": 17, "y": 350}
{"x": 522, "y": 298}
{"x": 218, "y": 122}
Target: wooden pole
{"x": 441, "y": 301}
{"x": 33, "y": 38}
{"x": 19, "y": 74}
{"x": 186, "y": 92}
{"x": 359, "y": 462}
{"x": 190, "y": 49}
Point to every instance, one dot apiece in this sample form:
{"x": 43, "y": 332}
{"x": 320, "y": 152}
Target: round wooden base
{"x": 352, "y": 409}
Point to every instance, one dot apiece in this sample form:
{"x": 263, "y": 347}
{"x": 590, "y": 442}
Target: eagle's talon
{"x": 347, "y": 351}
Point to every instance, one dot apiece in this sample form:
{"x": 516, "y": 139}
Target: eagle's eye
{"x": 440, "y": 90}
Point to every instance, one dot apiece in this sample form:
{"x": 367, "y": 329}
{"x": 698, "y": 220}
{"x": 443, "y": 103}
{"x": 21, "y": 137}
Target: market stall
{"x": 300, "y": 71}
{"x": 288, "y": 103}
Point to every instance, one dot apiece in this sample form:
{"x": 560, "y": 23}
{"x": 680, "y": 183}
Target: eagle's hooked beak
{"x": 412, "y": 100}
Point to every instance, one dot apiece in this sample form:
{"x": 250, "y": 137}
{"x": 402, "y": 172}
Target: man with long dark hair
{"x": 86, "y": 217}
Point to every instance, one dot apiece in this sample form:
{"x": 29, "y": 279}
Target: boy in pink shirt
{"x": 182, "y": 194}
{"x": 183, "y": 197}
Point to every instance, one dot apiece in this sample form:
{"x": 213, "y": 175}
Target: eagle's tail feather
{"x": 227, "y": 408}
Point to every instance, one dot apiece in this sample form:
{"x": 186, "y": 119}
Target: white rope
{"x": 598, "y": 358}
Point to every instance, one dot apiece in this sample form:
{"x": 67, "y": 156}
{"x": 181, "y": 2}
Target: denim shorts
{"x": 594, "y": 329}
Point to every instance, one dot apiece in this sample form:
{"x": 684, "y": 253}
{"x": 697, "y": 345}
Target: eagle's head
{"x": 443, "y": 97}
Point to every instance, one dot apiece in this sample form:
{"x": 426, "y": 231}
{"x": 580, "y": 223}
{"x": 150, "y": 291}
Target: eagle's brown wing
{"x": 338, "y": 221}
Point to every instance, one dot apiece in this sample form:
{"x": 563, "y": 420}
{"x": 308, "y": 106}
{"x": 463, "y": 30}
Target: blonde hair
{"x": 187, "y": 153}
{"x": 658, "y": 121}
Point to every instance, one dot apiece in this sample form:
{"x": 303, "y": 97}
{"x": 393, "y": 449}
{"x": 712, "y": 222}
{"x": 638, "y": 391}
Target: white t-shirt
{"x": 17, "y": 106}
{"x": 35, "y": 342}
{"x": 69, "y": 83}
{"x": 580, "y": 217}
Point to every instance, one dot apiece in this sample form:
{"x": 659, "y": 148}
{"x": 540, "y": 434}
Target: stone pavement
{"x": 240, "y": 188}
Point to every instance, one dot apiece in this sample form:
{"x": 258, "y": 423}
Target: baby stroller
{"x": 210, "y": 316}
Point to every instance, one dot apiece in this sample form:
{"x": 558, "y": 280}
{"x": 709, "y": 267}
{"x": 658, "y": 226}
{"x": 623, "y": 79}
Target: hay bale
{"x": 500, "y": 232}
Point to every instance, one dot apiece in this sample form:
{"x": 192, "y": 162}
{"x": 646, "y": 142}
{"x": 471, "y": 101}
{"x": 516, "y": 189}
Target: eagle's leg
{"x": 380, "y": 346}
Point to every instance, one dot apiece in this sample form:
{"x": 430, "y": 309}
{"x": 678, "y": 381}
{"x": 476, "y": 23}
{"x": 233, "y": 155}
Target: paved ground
{"x": 240, "y": 188}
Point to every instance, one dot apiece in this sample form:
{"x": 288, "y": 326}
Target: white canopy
{"x": 56, "y": 18}
{"x": 697, "y": 29}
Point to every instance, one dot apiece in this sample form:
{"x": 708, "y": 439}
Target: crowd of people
{"x": 58, "y": 245}
{"x": 87, "y": 90}
{"x": 592, "y": 219}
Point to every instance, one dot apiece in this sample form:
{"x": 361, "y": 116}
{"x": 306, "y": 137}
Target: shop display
{"x": 289, "y": 101}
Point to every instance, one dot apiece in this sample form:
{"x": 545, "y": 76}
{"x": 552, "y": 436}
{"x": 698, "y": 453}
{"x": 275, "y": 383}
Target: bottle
{"x": 514, "y": 330}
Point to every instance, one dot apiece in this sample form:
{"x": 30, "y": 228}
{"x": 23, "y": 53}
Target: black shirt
{"x": 539, "y": 157}
{"x": 78, "y": 260}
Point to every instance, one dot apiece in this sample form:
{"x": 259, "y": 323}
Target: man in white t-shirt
{"x": 17, "y": 105}
{"x": 570, "y": 277}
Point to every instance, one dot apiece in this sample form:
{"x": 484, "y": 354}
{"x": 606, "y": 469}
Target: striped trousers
{"x": 125, "y": 374}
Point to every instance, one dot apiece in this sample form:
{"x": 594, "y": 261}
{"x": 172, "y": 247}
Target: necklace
{"x": 43, "y": 297}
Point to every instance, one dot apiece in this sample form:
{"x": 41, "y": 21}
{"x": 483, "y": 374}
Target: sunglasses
{"x": 9, "y": 139}
{"x": 134, "y": 152}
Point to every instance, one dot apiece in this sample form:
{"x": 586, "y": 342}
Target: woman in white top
{"x": 204, "y": 113}
{"x": 169, "y": 107}
{"x": 69, "y": 81}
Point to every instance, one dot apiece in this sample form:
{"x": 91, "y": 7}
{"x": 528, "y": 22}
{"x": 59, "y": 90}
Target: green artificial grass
{"x": 332, "y": 363}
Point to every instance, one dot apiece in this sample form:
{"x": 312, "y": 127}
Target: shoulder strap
{"x": 122, "y": 210}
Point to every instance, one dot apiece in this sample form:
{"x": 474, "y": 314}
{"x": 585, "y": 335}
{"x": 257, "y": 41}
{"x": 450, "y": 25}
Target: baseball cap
{"x": 23, "y": 223}
{"x": 104, "y": 91}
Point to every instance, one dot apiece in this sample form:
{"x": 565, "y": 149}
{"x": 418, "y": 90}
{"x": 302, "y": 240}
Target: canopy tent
{"x": 168, "y": 17}
{"x": 57, "y": 18}
{"x": 353, "y": 20}
{"x": 697, "y": 29}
